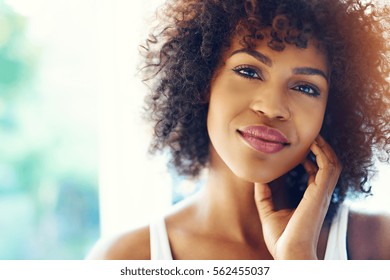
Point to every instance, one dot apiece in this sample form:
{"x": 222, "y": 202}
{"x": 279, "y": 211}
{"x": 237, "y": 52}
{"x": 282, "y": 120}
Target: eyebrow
{"x": 267, "y": 61}
{"x": 258, "y": 55}
{"x": 310, "y": 71}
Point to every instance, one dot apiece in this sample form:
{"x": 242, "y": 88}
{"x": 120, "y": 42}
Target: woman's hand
{"x": 294, "y": 234}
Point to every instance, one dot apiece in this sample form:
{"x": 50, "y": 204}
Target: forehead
{"x": 312, "y": 55}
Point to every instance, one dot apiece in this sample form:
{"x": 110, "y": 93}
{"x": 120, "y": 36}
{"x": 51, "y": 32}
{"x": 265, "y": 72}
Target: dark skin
{"x": 235, "y": 218}
{"x": 212, "y": 237}
{"x": 135, "y": 245}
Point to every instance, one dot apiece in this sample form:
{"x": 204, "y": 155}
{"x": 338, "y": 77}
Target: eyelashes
{"x": 310, "y": 90}
{"x": 248, "y": 72}
{"x": 253, "y": 73}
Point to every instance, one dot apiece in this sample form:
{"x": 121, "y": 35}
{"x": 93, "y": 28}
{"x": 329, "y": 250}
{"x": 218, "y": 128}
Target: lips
{"x": 264, "y": 139}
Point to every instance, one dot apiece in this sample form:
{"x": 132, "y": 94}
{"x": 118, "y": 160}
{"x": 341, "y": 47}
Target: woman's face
{"x": 266, "y": 108}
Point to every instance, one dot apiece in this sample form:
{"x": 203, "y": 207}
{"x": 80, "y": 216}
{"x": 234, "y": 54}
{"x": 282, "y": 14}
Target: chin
{"x": 263, "y": 174}
{"x": 257, "y": 176}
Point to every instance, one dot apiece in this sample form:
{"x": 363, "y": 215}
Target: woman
{"x": 284, "y": 104}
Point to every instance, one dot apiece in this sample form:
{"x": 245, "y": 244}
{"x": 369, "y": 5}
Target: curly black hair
{"x": 183, "y": 52}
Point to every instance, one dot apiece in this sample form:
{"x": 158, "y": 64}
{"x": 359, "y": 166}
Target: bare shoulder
{"x": 133, "y": 245}
{"x": 369, "y": 235}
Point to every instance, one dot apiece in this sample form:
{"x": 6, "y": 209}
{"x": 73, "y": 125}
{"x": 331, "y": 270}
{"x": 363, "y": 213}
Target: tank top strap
{"x": 336, "y": 248}
{"x": 159, "y": 242}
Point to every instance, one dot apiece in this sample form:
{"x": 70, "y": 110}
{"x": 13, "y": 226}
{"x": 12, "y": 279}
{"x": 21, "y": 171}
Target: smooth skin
{"x": 242, "y": 211}
{"x": 294, "y": 234}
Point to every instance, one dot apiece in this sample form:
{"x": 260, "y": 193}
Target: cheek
{"x": 309, "y": 133}
{"x": 309, "y": 126}
{"x": 219, "y": 117}
{"x": 227, "y": 101}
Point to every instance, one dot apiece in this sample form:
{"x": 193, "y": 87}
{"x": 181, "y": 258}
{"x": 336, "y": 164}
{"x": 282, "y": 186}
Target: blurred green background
{"x": 56, "y": 57}
{"x": 48, "y": 145}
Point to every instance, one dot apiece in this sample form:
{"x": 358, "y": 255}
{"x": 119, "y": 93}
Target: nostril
{"x": 272, "y": 108}
{"x": 285, "y": 115}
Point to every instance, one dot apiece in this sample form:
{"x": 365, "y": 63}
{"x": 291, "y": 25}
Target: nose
{"x": 272, "y": 103}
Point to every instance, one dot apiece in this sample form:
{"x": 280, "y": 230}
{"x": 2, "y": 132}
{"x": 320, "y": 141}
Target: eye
{"x": 309, "y": 90}
{"x": 248, "y": 72}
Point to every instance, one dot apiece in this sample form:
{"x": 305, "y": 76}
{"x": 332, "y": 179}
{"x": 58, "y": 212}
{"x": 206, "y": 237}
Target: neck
{"x": 227, "y": 203}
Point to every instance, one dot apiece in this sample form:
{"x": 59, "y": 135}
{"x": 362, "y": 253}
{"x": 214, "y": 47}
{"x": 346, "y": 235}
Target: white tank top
{"x": 336, "y": 247}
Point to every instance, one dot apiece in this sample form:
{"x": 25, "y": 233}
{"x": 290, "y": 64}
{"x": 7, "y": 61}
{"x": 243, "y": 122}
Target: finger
{"x": 312, "y": 209}
{"x": 328, "y": 170}
{"x": 263, "y": 200}
{"x": 327, "y": 149}
{"x": 311, "y": 169}
{"x": 322, "y": 162}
